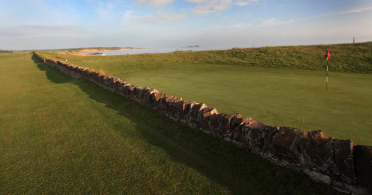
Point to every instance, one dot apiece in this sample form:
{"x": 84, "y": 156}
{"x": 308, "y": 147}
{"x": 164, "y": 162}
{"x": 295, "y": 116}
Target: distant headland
{"x": 191, "y": 46}
{"x": 95, "y": 50}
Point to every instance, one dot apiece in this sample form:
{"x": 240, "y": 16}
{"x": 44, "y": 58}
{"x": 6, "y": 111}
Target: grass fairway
{"x": 284, "y": 97}
{"x": 60, "y": 135}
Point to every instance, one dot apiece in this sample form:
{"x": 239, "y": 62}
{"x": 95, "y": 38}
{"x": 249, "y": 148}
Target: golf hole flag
{"x": 327, "y": 55}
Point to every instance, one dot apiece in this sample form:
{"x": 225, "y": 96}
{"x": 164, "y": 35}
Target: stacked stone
{"x": 39, "y": 58}
{"x": 348, "y": 168}
{"x": 51, "y": 63}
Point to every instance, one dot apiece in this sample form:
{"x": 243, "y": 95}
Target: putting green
{"x": 288, "y": 97}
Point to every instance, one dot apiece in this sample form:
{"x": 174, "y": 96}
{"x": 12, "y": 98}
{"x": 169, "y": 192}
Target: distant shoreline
{"x": 96, "y": 50}
{"x": 89, "y": 52}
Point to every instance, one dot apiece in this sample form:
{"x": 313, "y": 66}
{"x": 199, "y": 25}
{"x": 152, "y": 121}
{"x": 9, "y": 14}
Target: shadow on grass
{"x": 238, "y": 170}
{"x": 53, "y": 76}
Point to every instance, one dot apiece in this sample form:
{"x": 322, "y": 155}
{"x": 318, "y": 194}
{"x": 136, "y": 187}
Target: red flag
{"x": 327, "y": 55}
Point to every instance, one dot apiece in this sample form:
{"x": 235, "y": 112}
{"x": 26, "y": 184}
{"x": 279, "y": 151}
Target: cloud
{"x": 11, "y": 33}
{"x": 195, "y": 1}
{"x": 241, "y": 25}
{"x": 51, "y": 27}
{"x": 356, "y": 10}
{"x": 243, "y": 3}
{"x": 209, "y": 6}
{"x": 129, "y": 17}
{"x": 273, "y": 22}
{"x": 45, "y": 31}
{"x": 153, "y": 3}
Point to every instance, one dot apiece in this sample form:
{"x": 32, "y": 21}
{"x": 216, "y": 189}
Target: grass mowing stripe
{"x": 69, "y": 136}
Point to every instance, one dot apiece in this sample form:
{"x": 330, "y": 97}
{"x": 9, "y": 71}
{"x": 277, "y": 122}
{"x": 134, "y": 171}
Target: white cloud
{"x": 51, "y": 27}
{"x": 209, "y": 6}
{"x": 241, "y": 25}
{"x": 129, "y": 17}
{"x": 243, "y": 3}
{"x": 273, "y": 21}
{"x": 160, "y": 17}
{"x": 357, "y": 10}
{"x": 43, "y": 30}
{"x": 153, "y": 3}
{"x": 195, "y": 1}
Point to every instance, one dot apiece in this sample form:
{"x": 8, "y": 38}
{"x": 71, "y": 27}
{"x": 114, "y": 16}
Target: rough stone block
{"x": 349, "y": 189}
{"x": 128, "y": 91}
{"x": 363, "y": 166}
{"x": 253, "y": 139}
{"x": 94, "y": 76}
{"x": 155, "y": 99}
{"x": 113, "y": 83}
{"x": 188, "y": 105}
{"x": 123, "y": 87}
{"x": 318, "y": 176}
{"x": 193, "y": 117}
{"x": 136, "y": 94}
{"x": 345, "y": 160}
{"x": 237, "y": 135}
{"x": 205, "y": 116}
{"x": 286, "y": 148}
{"x": 338, "y": 155}
{"x": 229, "y": 123}
{"x": 101, "y": 79}
{"x": 117, "y": 85}
{"x": 147, "y": 96}
{"x": 329, "y": 156}
{"x": 176, "y": 109}
{"x": 142, "y": 94}
{"x": 166, "y": 102}
{"x": 268, "y": 136}
{"x": 215, "y": 123}
{"x": 162, "y": 106}
{"x": 77, "y": 72}
{"x": 313, "y": 156}
{"x": 107, "y": 82}
{"x": 86, "y": 73}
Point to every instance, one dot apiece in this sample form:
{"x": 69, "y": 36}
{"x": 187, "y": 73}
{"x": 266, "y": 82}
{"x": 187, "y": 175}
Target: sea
{"x": 157, "y": 50}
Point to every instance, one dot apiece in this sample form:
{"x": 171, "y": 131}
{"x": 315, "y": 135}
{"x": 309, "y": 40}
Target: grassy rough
{"x": 60, "y": 135}
{"x": 355, "y": 58}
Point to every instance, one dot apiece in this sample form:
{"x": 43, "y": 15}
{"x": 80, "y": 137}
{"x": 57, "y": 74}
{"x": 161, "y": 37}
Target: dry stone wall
{"x": 340, "y": 163}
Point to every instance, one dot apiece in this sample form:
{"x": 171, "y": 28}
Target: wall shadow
{"x": 238, "y": 170}
{"x": 52, "y": 74}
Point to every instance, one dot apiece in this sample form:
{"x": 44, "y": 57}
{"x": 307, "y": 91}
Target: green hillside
{"x": 355, "y": 58}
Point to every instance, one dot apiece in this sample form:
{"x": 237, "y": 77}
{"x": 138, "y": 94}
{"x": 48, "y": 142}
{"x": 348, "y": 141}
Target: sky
{"x": 219, "y": 24}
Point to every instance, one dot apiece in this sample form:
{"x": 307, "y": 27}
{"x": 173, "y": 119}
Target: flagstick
{"x": 327, "y": 76}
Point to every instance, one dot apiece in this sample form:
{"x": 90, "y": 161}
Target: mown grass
{"x": 283, "y": 97}
{"x": 264, "y": 83}
{"x": 60, "y": 135}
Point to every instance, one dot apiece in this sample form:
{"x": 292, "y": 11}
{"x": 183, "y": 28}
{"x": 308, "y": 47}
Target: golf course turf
{"x": 283, "y": 97}
{"x": 274, "y": 85}
{"x": 65, "y": 135}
